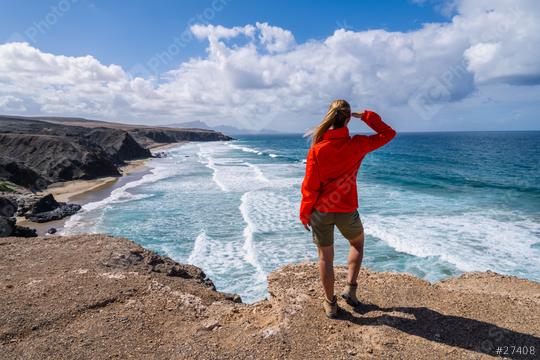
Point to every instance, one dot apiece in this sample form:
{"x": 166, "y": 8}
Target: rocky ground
{"x": 101, "y": 297}
{"x": 35, "y": 208}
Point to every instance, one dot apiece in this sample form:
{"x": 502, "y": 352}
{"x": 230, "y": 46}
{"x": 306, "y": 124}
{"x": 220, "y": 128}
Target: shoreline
{"x": 84, "y": 191}
{"x": 65, "y": 191}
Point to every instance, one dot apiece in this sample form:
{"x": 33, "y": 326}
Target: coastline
{"x": 84, "y": 191}
{"x": 66, "y": 191}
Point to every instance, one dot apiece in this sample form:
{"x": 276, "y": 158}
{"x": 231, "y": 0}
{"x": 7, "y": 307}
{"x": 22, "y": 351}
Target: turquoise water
{"x": 433, "y": 205}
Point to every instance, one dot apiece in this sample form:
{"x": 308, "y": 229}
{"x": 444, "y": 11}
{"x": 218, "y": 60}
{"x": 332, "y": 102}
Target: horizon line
{"x": 277, "y": 132}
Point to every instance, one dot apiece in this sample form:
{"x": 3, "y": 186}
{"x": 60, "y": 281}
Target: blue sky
{"x": 126, "y": 35}
{"x": 424, "y": 64}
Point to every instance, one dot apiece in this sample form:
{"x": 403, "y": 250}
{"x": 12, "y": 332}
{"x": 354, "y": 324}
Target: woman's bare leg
{"x": 354, "y": 261}
{"x": 326, "y": 269}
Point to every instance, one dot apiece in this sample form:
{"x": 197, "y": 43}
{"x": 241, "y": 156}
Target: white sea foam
{"x": 472, "y": 241}
{"x": 223, "y": 259}
{"x": 252, "y": 150}
{"x": 250, "y": 253}
{"x": 273, "y": 229}
{"x": 209, "y": 162}
{"x": 269, "y": 211}
{"x": 235, "y": 174}
{"x": 245, "y": 149}
{"x": 118, "y": 195}
{"x": 216, "y": 256}
{"x": 198, "y": 253}
{"x": 258, "y": 172}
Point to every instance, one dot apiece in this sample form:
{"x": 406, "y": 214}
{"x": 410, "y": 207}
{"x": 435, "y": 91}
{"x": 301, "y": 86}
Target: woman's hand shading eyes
{"x": 357, "y": 114}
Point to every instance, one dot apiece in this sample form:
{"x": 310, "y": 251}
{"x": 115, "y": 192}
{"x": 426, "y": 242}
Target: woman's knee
{"x": 357, "y": 241}
{"x": 326, "y": 253}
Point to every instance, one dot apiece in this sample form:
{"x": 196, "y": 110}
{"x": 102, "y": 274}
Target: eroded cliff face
{"x": 35, "y": 153}
{"x": 56, "y": 158}
{"x": 61, "y": 153}
{"x": 96, "y": 296}
{"x": 151, "y": 136}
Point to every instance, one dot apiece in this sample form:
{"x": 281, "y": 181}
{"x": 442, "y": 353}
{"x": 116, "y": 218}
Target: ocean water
{"x": 433, "y": 205}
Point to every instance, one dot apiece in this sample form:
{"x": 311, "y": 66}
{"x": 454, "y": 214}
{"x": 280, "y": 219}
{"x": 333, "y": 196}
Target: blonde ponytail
{"x": 338, "y": 114}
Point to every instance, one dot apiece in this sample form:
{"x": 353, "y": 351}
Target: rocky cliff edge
{"x": 96, "y": 296}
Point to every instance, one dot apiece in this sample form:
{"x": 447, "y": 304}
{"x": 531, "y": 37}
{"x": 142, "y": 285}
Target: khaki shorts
{"x": 322, "y": 225}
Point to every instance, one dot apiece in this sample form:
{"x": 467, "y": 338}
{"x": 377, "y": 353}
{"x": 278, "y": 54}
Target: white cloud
{"x": 220, "y": 32}
{"x": 255, "y": 75}
{"x": 274, "y": 38}
{"x": 11, "y": 103}
{"x": 504, "y": 40}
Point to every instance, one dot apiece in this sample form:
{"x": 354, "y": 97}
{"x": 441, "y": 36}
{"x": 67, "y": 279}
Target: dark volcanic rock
{"x": 63, "y": 210}
{"x": 23, "y": 231}
{"x": 165, "y": 136}
{"x": 20, "y": 174}
{"x": 56, "y": 158}
{"x": 25, "y": 201}
{"x": 7, "y": 225}
{"x": 8, "y": 207}
{"x": 160, "y": 154}
{"x": 35, "y": 207}
{"x": 118, "y": 144}
{"x": 60, "y": 152}
{"x": 45, "y": 204}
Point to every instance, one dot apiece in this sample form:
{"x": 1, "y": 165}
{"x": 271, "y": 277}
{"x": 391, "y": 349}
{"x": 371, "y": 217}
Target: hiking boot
{"x": 349, "y": 294}
{"x": 330, "y": 307}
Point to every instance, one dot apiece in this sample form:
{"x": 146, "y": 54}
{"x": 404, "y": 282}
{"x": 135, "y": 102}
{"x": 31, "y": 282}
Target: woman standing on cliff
{"x": 329, "y": 195}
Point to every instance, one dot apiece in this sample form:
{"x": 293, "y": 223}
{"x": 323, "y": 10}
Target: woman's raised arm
{"x": 384, "y": 133}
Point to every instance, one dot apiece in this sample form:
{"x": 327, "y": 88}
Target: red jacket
{"x": 332, "y": 165}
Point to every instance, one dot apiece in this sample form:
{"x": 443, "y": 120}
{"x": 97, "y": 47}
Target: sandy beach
{"x": 84, "y": 191}
{"x": 66, "y": 191}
